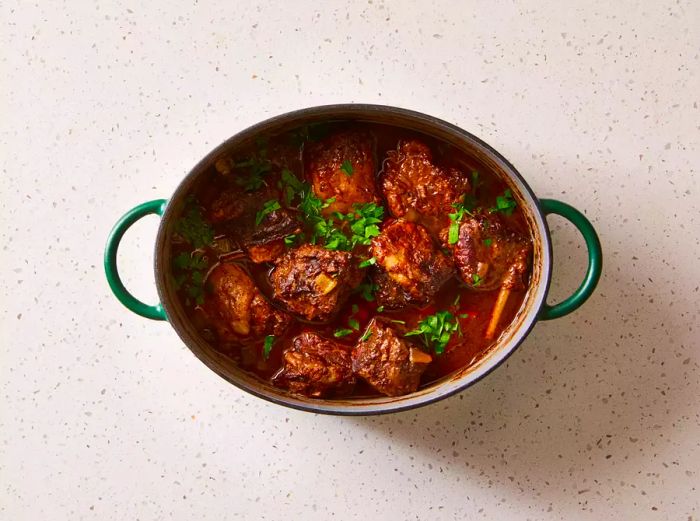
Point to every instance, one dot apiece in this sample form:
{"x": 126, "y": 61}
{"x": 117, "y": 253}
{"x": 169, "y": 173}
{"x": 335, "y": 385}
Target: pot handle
{"x": 595, "y": 259}
{"x": 115, "y": 282}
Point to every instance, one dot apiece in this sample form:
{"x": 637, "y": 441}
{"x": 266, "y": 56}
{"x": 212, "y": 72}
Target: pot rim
{"x": 443, "y": 388}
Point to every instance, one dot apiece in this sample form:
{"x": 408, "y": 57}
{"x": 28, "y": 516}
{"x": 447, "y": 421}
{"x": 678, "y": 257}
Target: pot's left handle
{"x": 115, "y": 282}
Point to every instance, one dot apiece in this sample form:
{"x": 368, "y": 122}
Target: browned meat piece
{"x": 417, "y": 189}
{"x": 488, "y": 255}
{"x": 314, "y": 282}
{"x": 410, "y": 269}
{"x": 316, "y": 366}
{"x": 238, "y": 309}
{"x": 236, "y": 212}
{"x": 343, "y": 166}
{"x": 387, "y": 361}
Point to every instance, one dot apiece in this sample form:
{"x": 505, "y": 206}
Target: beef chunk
{"x": 238, "y": 309}
{"x": 316, "y": 366}
{"x": 314, "y": 282}
{"x": 418, "y": 190}
{"x": 235, "y": 213}
{"x": 343, "y": 166}
{"x": 488, "y": 255}
{"x": 387, "y": 361}
{"x": 410, "y": 269}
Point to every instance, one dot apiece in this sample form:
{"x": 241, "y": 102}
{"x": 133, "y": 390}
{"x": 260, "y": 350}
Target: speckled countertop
{"x": 108, "y": 416}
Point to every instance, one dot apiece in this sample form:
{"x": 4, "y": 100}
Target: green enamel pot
{"x": 534, "y": 308}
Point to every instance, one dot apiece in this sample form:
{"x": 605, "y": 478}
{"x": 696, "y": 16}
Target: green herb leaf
{"x": 380, "y": 309}
{"x": 258, "y": 167}
{"x": 342, "y": 332}
{"x": 268, "y": 207}
{"x": 455, "y": 218}
{"x": 504, "y": 203}
{"x": 476, "y": 181}
{"x": 368, "y": 262}
{"x": 355, "y": 308}
{"x": 366, "y": 335}
{"x": 488, "y": 241}
{"x": 453, "y": 235}
{"x": 267, "y": 346}
{"x": 292, "y": 187}
{"x": 436, "y": 330}
{"x": 193, "y": 228}
{"x": 476, "y": 280}
{"x": 290, "y": 240}
{"x": 367, "y": 290}
{"x": 347, "y": 168}
{"x": 354, "y": 324}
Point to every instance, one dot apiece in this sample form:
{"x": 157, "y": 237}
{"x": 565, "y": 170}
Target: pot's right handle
{"x": 595, "y": 259}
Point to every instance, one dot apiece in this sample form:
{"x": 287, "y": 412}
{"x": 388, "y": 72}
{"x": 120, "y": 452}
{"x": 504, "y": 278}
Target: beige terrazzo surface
{"x": 108, "y": 416}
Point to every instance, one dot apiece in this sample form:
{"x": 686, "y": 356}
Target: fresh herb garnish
{"x": 355, "y": 308}
{"x": 342, "y": 332}
{"x": 292, "y": 187}
{"x": 436, "y": 330}
{"x": 476, "y": 181}
{"x": 267, "y": 346}
{"x": 368, "y": 262}
{"x": 193, "y": 228}
{"x": 290, "y": 240}
{"x": 347, "y": 168}
{"x": 191, "y": 277}
{"x": 353, "y": 323}
{"x": 190, "y": 261}
{"x": 380, "y": 309}
{"x": 268, "y": 207}
{"x": 476, "y": 280}
{"x": 367, "y": 290}
{"x": 455, "y": 218}
{"x": 488, "y": 241}
{"x": 258, "y": 168}
{"x": 362, "y": 223}
{"x": 504, "y": 203}
{"x": 366, "y": 335}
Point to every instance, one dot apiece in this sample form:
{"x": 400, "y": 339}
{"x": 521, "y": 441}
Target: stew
{"x": 351, "y": 258}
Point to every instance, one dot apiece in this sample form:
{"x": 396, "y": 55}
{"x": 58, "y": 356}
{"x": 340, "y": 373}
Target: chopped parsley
{"x": 190, "y": 261}
{"x": 368, "y": 262}
{"x": 380, "y": 309}
{"x": 455, "y": 218}
{"x": 353, "y": 323}
{"x": 193, "y": 228}
{"x": 347, "y": 168}
{"x": 476, "y": 280}
{"x": 476, "y": 181}
{"x": 367, "y": 290}
{"x": 488, "y": 241}
{"x": 342, "y": 332}
{"x": 504, "y": 203}
{"x": 267, "y": 346}
{"x": 192, "y": 270}
{"x": 436, "y": 330}
{"x": 290, "y": 240}
{"x": 268, "y": 207}
{"x": 258, "y": 168}
{"x": 366, "y": 335}
{"x": 292, "y": 187}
